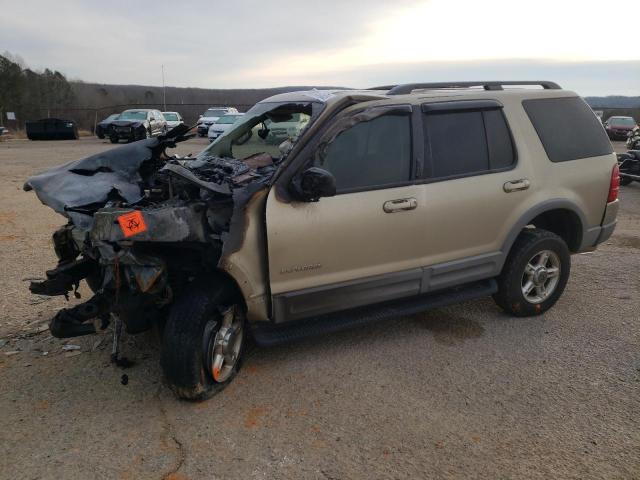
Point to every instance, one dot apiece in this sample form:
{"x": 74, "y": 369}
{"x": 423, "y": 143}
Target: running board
{"x": 276, "y": 334}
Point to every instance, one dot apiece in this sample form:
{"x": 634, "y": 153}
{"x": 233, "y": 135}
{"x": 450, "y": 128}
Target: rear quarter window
{"x": 568, "y": 128}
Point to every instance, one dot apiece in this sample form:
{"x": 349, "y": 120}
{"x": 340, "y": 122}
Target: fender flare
{"x": 546, "y": 206}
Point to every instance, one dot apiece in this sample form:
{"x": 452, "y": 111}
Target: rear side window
{"x": 468, "y": 142}
{"x": 370, "y": 154}
{"x": 568, "y": 128}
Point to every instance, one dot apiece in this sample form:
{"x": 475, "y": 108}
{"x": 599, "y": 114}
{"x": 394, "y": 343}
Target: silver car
{"x": 173, "y": 119}
{"x": 223, "y": 124}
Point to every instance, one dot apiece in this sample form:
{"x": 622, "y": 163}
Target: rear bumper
{"x": 618, "y": 135}
{"x": 601, "y": 233}
{"x": 608, "y": 221}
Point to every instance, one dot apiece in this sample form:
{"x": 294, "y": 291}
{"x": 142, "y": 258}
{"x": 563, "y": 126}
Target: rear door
{"x": 357, "y": 247}
{"x": 471, "y": 187}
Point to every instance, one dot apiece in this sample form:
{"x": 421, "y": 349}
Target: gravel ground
{"x": 459, "y": 392}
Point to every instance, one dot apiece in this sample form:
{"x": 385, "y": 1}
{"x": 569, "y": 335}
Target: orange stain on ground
{"x": 253, "y": 416}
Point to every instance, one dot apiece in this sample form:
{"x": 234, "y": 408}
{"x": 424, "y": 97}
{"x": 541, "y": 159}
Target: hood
{"x": 208, "y": 119}
{"x": 621, "y": 127}
{"x": 130, "y": 175}
{"x": 128, "y": 123}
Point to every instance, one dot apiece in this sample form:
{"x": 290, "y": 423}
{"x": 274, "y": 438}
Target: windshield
{"x": 111, "y": 118}
{"x": 214, "y": 113}
{"x": 170, "y": 116}
{"x": 228, "y": 119}
{"x": 263, "y": 129}
{"x": 625, "y": 121}
{"x": 133, "y": 115}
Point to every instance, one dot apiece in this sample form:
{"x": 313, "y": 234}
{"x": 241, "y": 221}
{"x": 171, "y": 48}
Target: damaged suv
{"x": 378, "y": 203}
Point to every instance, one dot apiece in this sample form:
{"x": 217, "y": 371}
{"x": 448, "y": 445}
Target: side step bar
{"x": 269, "y": 335}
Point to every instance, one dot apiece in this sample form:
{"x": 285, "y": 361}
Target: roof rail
{"x": 409, "y": 87}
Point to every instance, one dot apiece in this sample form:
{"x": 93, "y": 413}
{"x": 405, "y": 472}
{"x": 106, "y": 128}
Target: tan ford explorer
{"x": 380, "y": 203}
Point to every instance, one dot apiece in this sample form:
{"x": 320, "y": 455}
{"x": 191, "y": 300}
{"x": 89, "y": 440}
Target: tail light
{"x": 614, "y": 186}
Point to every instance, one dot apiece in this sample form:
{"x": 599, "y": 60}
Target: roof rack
{"x": 409, "y": 87}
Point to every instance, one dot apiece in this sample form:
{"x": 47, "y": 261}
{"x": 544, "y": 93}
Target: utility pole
{"x": 164, "y": 91}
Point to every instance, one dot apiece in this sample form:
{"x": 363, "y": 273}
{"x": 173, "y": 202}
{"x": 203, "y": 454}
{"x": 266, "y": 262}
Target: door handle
{"x": 516, "y": 185}
{"x": 399, "y": 205}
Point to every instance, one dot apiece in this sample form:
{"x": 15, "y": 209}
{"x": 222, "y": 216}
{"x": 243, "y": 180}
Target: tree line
{"x": 30, "y": 94}
{"x": 33, "y": 95}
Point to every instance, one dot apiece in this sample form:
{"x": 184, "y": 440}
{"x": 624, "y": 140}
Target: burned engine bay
{"x": 141, "y": 225}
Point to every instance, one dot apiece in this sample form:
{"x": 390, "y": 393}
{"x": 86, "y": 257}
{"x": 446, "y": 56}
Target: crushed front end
{"x": 141, "y": 226}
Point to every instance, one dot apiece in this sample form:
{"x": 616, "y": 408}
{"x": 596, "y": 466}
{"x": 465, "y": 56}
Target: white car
{"x": 173, "y": 119}
{"x": 211, "y": 116}
{"x": 223, "y": 124}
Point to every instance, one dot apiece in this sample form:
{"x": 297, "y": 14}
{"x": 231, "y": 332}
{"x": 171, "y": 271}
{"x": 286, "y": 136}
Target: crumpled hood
{"x": 123, "y": 175}
{"x": 78, "y": 188}
{"x": 93, "y": 180}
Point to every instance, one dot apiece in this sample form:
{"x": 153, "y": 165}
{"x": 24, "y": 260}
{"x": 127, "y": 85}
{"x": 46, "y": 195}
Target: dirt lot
{"x": 460, "y": 392}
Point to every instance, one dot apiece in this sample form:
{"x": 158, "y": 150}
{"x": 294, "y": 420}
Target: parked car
{"x": 210, "y": 116}
{"x": 222, "y": 125}
{"x": 279, "y": 132}
{"x": 104, "y": 127}
{"x": 173, "y": 119}
{"x": 633, "y": 139}
{"x": 52, "y": 129}
{"x": 390, "y": 201}
{"x": 136, "y": 124}
{"x": 619, "y": 127}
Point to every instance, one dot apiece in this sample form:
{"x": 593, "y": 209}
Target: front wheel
{"x": 203, "y": 342}
{"x": 534, "y": 274}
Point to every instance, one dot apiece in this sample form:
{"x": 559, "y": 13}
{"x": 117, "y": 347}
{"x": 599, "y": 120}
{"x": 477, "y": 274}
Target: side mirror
{"x": 312, "y": 184}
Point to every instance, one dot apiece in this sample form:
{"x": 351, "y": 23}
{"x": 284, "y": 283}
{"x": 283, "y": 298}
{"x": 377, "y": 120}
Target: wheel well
{"x": 229, "y": 283}
{"x": 564, "y": 223}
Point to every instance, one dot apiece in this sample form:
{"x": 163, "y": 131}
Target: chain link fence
{"x": 88, "y": 117}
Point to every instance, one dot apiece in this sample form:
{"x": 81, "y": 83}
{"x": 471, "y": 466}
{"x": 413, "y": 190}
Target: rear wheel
{"x": 534, "y": 274}
{"x": 625, "y": 181}
{"x": 203, "y": 342}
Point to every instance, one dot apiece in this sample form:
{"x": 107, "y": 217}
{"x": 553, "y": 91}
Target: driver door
{"x": 354, "y": 248}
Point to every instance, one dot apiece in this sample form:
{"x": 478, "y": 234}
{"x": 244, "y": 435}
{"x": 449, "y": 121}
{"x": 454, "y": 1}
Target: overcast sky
{"x": 582, "y": 44}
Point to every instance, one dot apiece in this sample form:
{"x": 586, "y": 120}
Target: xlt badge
{"x": 300, "y": 268}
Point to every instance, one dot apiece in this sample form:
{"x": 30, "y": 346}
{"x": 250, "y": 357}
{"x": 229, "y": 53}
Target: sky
{"x": 351, "y": 43}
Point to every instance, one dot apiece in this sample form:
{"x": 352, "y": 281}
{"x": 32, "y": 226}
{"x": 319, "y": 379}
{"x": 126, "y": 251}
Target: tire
{"x": 624, "y": 181}
{"x": 190, "y": 336}
{"x": 514, "y": 279}
{"x": 100, "y": 136}
{"x": 114, "y": 139}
